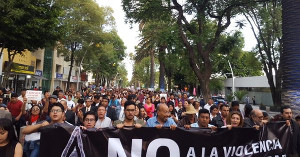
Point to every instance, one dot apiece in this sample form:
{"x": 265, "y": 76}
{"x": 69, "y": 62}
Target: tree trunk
{"x": 162, "y": 70}
{"x": 152, "y": 72}
{"x": 169, "y": 83}
{"x": 291, "y": 53}
{"x": 70, "y": 72}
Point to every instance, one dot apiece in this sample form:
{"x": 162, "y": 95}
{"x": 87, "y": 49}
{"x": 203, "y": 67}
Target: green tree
{"x": 199, "y": 43}
{"x": 266, "y": 23}
{"x": 30, "y": 25}
{"x": 82, "y": 21}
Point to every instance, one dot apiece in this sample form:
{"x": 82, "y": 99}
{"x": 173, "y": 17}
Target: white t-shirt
{"x": 106, "y": 122}
{"x": 33, "y": 136}
{"x": 122, "y": 115}
{"x": 70, "y": 104}
{"x": 207, "y": 106}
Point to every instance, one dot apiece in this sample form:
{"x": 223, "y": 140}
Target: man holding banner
{"x": 129, "y": 109}
{"x": 162, "y": 119}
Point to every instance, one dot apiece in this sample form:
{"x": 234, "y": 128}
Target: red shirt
{"x": 15, "y": 108}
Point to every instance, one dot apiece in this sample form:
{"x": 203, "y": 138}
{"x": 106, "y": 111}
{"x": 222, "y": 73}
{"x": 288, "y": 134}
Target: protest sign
{"x": 33, "y": 95}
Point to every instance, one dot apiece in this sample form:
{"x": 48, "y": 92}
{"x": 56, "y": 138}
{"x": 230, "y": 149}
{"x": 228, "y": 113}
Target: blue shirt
{"x": 152, "y": 122}
{"x": 195, "y": 125}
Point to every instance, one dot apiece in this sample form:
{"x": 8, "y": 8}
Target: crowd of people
{"x": 123, "y": 108}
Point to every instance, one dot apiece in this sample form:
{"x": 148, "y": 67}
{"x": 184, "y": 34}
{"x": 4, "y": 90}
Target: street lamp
{"x": 233, "y": 89}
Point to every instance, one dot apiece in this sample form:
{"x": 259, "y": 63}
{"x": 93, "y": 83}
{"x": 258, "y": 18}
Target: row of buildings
{"x": 42, "y": 69}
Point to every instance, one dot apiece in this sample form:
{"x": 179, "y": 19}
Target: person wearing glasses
{"x": 89, "y": 120}
{"x": 57, "y": 116}
{"x": 129, "y": 110}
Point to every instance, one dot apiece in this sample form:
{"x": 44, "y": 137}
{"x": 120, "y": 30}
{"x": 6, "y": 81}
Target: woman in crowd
{"x": 234, "y": 120}
{"x": 149, "y": 107}
{"x": 173, "y": 112}
{"x": 214, "y": 111}
{"x": 143, "y": 114}
{"x": 197, "y": 106}
{"x": 156, "y": 100}
{"x": 9, "y": 145}
{"x": 32, "y": 141}
{"x": 181, "y": 111}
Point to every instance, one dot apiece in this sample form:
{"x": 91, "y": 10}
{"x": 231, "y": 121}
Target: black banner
{"x": 271, "y": 140}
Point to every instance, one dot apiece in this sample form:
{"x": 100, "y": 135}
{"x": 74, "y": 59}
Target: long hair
{"x": 29, "y": 114}
{"x": 6, "y": 124}
{"x": 228, "y": 119}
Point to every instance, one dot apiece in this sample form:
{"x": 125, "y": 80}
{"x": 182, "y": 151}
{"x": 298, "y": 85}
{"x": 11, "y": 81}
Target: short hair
{"x": 234, "y": 103}
{"x": 14, "y": 95}
{"x": 202, "y": 111}
{"x": 97, "y": 97}
{"x": 266, "y": 114}
{"x": 80, "y": 101}
{"x": 128, "y": 103}
{"x": 57, "y": 104}
{"x": 284, "y": 107}
{"x": 90, "y": 113}
{"x": 23, "y": 89}
{"x": 105, "y": 97}
{"x": 213, "y": 107}
{"x": 223, "y": 105}
{"x": 131, "y": 96}
{"x": 162, "y": 98}
{"x": 46, "y": 91}
{"x": 171, "y": 103}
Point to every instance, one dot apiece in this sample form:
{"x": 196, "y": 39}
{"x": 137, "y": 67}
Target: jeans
{"x": 32, "y": 148}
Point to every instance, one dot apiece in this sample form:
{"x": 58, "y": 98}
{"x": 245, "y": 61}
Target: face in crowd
{"x": 104, "y": 102}
{"x": 287, "y": 114}
{"x": 89, "y": 121}
{"x": 236, "y": 119}
{"x": 88, "y": 102}
{"x": 137, "y": 111}
{"x": 130, "y": 112}
{"x": 163, "y": 112}
{"x": 180, "y": 104}
{"x": 186, "y": 104}
{"x": 101, "y": 112}
{"x": 210, "y": 101}
{"x": 257, "y": 117}
{"x": 13, "y": 99}
{"x": 224, "y": 111}
{"x": 35, "y": 110}
{"x": 53, "y": 100}
{"x": 60, "y": 95}
{"x": 203, "y": 120}
{"x": 143, "y": 113}
{"x": 56, "y": 114}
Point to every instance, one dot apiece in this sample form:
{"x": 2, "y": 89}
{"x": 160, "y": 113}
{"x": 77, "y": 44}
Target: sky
{"x": 130, "y": 35}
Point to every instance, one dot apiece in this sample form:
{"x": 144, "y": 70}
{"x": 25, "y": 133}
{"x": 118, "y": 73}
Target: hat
{"x": 190, "y": 110}
{"x": 190, "y": 98}
{"x": 3, "y": 105}
{"x": 53, "y": 96}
